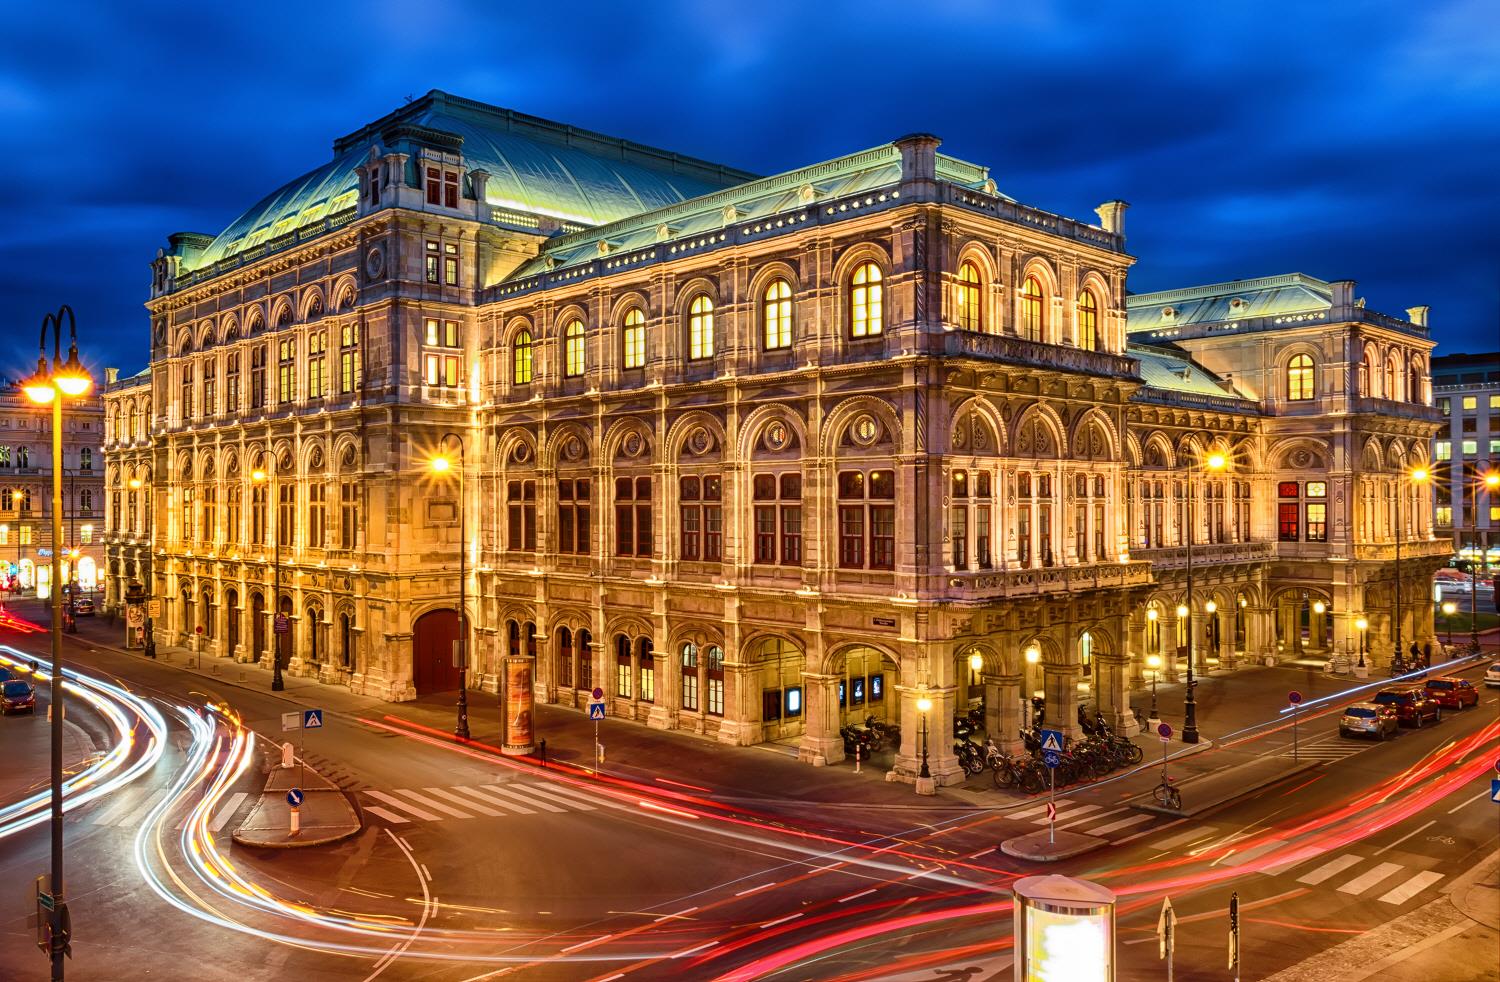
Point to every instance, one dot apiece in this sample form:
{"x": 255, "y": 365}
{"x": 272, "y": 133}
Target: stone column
{"x": 1135, "y": 649}
{"x": 1060, "y": 683}
{"x": 1111, "y": 694}
{"x": 821, "y": 743}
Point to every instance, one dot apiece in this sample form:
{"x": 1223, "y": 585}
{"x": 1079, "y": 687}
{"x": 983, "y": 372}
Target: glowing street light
{"x": 924, "y": 706}
{"x": 1361, "y": 625}
{"x": 1448, "y": 608}
{"x": 440, "y": 465}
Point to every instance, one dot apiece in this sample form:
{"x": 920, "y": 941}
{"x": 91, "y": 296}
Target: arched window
{"x": 966, "y": 298}
{"x": 1031, "y": 309}
{"x": 633, "y": 339}
{"x": 701, "y": 328}
{"x": 1299, "y": 378}
{"x": 522, "y": 356}
{"x": 866, "y": 302}
{"x": 1414, "y": 383}
{"x": 777, "y": 315}
{"x": 1088, "y": 321}
{"x": 1390, "y": 380}
{"x": 573, "y": 351}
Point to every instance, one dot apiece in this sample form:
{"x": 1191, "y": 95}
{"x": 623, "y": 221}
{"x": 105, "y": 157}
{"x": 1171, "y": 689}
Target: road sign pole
{"x": 1294, "y": 733}
{"x": 1052, "y": 805}
{"x": 596, "y": 748}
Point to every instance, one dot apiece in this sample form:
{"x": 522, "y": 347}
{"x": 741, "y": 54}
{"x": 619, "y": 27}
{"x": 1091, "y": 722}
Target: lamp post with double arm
{"x": 1213, "y": 463}
{"x": 441, "y": 464}
{"x": 49, "y": 386}
{"x": 136, "y": 485}
{"x": 273, "y": 493}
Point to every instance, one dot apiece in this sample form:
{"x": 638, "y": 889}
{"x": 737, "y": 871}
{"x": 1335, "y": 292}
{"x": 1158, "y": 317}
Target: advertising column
{"x": 1064, "y": 929}
{"x": 520, "y": 705}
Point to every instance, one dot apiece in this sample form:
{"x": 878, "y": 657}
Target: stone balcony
{"x": 1207, "y": 554}
{"x": 1376, "y": 552}
{"x": 1050, "y": 580}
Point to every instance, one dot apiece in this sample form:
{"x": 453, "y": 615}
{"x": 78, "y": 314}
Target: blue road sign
{"x": 596, "y": 710}
{"x": 1495, "y": 790}
{"x": 1051, "y": 758}
{"x": 312, "y": 719}
{"x": 1052, "y": 740}
{"x": 294, "y": 797}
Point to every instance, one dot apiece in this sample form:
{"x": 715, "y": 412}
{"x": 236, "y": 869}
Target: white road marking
{"x": 1468, "y": 801}
{"x": 1254, "y": 852}
{"x": 1183, "y": 838}
{"x": 763, "y": 886}
{"x": 466, "y": 802}
{"x": 1404, "y": 838}
{"x": 566, "y": 795}
{"x": 416, "y": 795}
{"x": 1369, "y": 878}
{"x": 1330, "y": 868}
{"x": 405, "y": 806}
{"x": 227, "y": 811}
{"x": 134, "y": 818}
{"x": 1123, "y": 823}
{"x": 1069, "y": 820}
{"x": 856, "y": 896}
{"x": 684, "y": 954}
{"x": 391, "y": 817}
{"x": 508, "y": 798}
{"x": 585, "y": 944}
{"x": 783, "y": 920}
{"x": 1079, "y": 809}
{"x": 1411, "y": 887}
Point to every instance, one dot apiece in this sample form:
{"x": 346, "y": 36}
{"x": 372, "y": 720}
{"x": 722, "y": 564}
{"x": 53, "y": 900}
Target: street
{"x": 474, "y": 866}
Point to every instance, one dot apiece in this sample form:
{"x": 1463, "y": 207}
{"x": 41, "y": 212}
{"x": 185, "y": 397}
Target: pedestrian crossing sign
{"x": 596, "y": 710}
{"x": 1495, "y": 790}
{"x": 1052, "y": 740}
{"x": 312, "y": 719}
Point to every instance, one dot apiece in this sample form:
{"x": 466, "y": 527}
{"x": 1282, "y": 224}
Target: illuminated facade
{"x": 1467, "y": 391}
{"x": 756, "y": 456}
{"x": 26, "y": 492}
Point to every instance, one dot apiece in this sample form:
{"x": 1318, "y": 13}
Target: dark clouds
{"x": 1343, "y": 140}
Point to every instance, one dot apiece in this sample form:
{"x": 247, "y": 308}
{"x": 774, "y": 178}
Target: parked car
{"x": 1452, "y": 692}
{"x": 1412, "y": 704}
{"x": 1492, "y": 675}
{"x": 1369, "y": 719}
{"x": 83, "y": 607}
{"x": 17, "y": 696}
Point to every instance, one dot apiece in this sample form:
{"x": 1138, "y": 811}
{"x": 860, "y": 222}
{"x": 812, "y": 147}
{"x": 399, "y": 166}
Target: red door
{"x": 432, "y": 652}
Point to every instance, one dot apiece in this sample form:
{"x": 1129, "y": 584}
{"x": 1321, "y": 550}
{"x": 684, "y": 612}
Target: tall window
{"x": 210, "y": 388}
{"x": 188, "y": 513}
{"x": 1034, "y": 519}
{"x": 633, "y": 516}
{"x": 702, "y": 531}
{"x": 867, "y": 519}
{"x": 713, "y": 678}
{"x": 232, "y": 382}
{"x": 564, "y": 658}
{"x": 286, "y": 514}
{"x": 232, "y": 530}
{"x": 1287, "y": 512}
{"x": 690, "y": 677}
{"x": 286, "y": 362}
{"x": 450, "y": 264}
{"x": 701, "y": 328}
{"x": 633, "y": 339}
{"x": 187, "y": 391}
{"x": 646, "y": 659}
{"x": 778, "y": 519}
{"x": 258, "y": 514}
{"x": 86, "y": 501}
{"x": 866, "y": 302}
{"x": 348, "y": 514}
{"x": 86, "y": 459}
{"x": 967, "y": 298}
{"x": 573, "y": 516}
{"x": 1088, "y": 321}
{"x": 349, "y": 363}
{"x": 520, "y": 515}
{"x": 440, "y": 367}
{"x": 1316, "y": 511}
{"x": 317, "y": 514}
{"x": 210, "y": 532}
{"x": 1031, "y": 309}
{"x": 971, "y": 519}
{"x": 317, "y": 363}
{"x": 258, "y": 377}
{"x": 522, "y": 358}
{"x": 574, "y": 342}
{"x": 776, "y": 315}
{"x": 623, "y": 673}
{"x": 1299, "y": 378}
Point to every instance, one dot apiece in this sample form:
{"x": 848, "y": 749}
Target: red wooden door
{"x": 432, "y": 652}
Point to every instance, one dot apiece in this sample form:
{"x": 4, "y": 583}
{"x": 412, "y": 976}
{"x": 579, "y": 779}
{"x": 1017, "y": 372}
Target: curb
{"x": 1146, "y": 802}
{"x": 1038, "y": 847}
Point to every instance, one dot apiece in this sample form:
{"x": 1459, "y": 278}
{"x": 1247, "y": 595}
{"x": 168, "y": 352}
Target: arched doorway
{"x": 867, "y": 680}
{"x": 231, "y": 621}
{"x": 346, "y": 640}
{"x": 432, "y": 667}
{"x": 283, "y": 642}
{"x": 315, "y": 643}
{"x": 258, "y": 626}
{"x": 779, "y": 664}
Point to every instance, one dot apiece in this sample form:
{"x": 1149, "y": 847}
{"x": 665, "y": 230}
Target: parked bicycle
{"x": 1167, "y": 794}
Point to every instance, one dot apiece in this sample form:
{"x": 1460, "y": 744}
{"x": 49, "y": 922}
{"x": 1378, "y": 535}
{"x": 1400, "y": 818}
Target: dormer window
{"x": 372, "y": 189}
{"x": 442, "y": 187}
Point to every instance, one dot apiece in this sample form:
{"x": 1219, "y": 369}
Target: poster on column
{"x": 519, "y": 705}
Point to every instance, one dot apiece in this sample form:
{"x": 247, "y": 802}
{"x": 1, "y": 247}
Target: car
{"x": 1492, "y": 675}
{"x": 17, "y": 696}
{"x": 83, "y": 607}
{"x": 1369, "y": 719}
{"x": 1452, "y": 692}
{"x": 1412, "y": 704}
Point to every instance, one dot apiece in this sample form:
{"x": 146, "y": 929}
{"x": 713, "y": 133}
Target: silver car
{"x": 1492, "y": 675}
{"x": 1369, "y": 719}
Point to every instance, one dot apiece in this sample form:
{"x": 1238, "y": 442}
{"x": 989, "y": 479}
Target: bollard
{"x": 857, "y": 749}
{"x": 543, "y": 748}
{"x": 287, "y": 752}
{"x": 296, "y": 814}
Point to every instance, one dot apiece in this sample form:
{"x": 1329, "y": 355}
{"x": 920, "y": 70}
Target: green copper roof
{"x": 1175, "y": 372}
{"x": 1268, "y": 296}
{"x": 535, "y": 166}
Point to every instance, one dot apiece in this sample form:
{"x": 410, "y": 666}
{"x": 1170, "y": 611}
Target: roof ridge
{"x": 1230, "y": 286}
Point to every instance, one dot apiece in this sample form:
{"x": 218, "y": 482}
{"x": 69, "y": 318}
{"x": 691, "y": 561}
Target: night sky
{"x": 1348, "y": 140}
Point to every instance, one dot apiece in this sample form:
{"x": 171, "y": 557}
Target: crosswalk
{"x": 1330, "y": 751}
{"x": 402, "y": 806}
{"x": 1348, "y": 873}
{"x": 1085, "y": 817}
{"x": 129, "y": 811}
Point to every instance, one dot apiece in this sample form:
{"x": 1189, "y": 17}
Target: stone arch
{"x": 623, "y": 304}
{"x": 976, "y": 427}
{"x": 684, "y": 426}
{"x": 614, "y": 438}
{"x": 1283, "y": 362}
{"x": 557, "y": 440}
{"x": 1051, "y": 654}
{"x": 345, "y": 454}
{"x": 1095, "y": 420}
{"x": 1133, "y": 455}
{"x": 509, "y": 440}
{"x": 845, "y": 412}
{"x": 630, "y": 625}
{"x": 229, "y": 328}
{"x": 701, "y": 633}
{"x": 1158, "y": 451}
{"x": 515, "y": 325}
{"x": 855, "y": 254}
{"x": 755, "y": 423}
{"x": 1093, "y": 282}
{"x": 281, "y": 312}
{"x": 345, "y": 293}
{"x": 1035, "y": 428}
{"x": 204, "y": 336}
{"x": 776, "y": 269}
{"x": 1299, "y": 453}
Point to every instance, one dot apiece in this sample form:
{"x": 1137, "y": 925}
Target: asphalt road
{"x": 472, "y": 867}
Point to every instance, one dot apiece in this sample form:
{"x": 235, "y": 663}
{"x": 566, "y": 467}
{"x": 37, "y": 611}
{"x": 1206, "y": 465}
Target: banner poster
{"x": 519, "y": 706}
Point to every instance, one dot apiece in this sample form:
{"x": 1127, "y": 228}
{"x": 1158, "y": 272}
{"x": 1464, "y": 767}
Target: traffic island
{"x": 324, "y": 816}
{"x": 1208, "y": 791}
{"x": 1043, "y": 848}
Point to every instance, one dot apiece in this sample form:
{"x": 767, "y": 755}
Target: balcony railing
{"x": 1055, "y": 579}
{"x": 1206, "y": 554}
{"x": 1054, "y": 357}
{"x": 1397, "y": 408}
{"x": 1410, "y": 549}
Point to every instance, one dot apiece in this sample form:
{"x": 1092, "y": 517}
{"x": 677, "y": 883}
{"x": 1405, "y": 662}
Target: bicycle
{"x": 1168, "y": 796}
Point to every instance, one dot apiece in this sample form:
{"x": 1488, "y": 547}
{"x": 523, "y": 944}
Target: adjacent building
{"x": 1467, "y": 390}
{"x": 26, "y": 513}
{"x": 757, "y": 456}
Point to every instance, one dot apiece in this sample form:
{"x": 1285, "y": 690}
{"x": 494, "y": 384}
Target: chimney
{"x": 918, "y": 157}
{"x": 1112, "y": 216}
{"x": 111, "y": 376}
{"x": 1418, "y": 315}
{"x": 480, "y": 179}
{"x": 1343, "y": 293}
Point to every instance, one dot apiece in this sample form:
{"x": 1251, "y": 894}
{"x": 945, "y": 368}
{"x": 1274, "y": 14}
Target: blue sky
{"x": 1351, "y": 140}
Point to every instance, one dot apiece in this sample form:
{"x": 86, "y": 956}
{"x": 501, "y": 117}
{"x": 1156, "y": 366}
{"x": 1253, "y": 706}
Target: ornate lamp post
{"x": 136, "y": 485}
{"x": 924, "y": 706}
{"x": 1032, "y": 656}
{"x": 1213, "y": 463}
{"x": 1153, "y": 662}
{"x": 1448, "y": 608}
{"x": 442, "y": 465}
{"x": 1361, "y": 625}
{"x": 50, "y": 385}
{"x": 273, "y": 485}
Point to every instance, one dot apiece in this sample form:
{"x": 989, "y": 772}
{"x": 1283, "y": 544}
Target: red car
{"x": 1412, "y": 704}
{"x": 1452, "y": 692}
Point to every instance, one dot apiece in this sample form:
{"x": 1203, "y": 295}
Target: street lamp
{"x": 1489, "y": 484}
{"x": 1032, "y": 655}
{"x": 1153, "y": 662}
{"x": 924, "y": 706}
{"x": 1361, "y": 625}
{"x": 1448, "y": 608}
{"x": 1418, "y": 475}
{"x": 273, "y": 490}
{"x": 442, "y": 465}
{"x": 50, "y": 385}
{"x": 135, "y": 485}
{"x": 1214, "y": 463}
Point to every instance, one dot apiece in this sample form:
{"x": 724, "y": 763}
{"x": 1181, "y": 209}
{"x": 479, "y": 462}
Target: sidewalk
{"x": 326, "y": 814}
